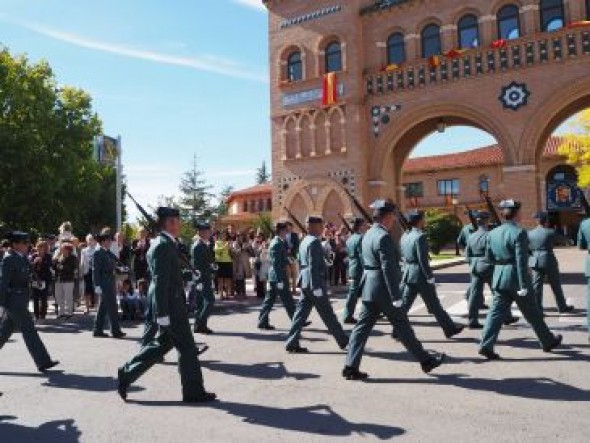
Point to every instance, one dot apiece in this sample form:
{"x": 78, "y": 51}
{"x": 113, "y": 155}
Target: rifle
{"x": 345, "y": 222}
{"x": 151, "y": 227}
{"x": 495, "y": 218}
{"x": 296, "y": 221}
{"x": 358, "y": 206}
{"x": 401, "y": 219}
{"x": 471, "y": 218}
{"x": 584, "y": 203}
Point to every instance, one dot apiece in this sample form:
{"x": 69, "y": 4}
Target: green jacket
{"x": 381, "y": 260}
{"x": 354, "y": 250}
{"x": 166, "y": 292}
{"x": 279, "y": 261}
{"x": 414, "y": 251}
{"x": 14, "y": 278}
{"x": 508, "y": 249}
{"x": 584, "y": 242}
{"x": 312, "y": 264}
{"x": 103, "y": 273}
{"x": 202, "y": 259}
{"x": 475, "y": 252}
{"x": 464, "y": 235}
{"x": 541, "y": 241}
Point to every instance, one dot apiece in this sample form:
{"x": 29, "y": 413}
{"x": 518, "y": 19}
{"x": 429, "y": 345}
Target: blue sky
{"x": 172, "y": 81}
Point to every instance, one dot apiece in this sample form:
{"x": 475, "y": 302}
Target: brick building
{"x": 246, "y": 205}
{"x": 356, "y": 84}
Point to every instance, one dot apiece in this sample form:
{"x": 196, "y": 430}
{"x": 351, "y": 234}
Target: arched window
{"x": 431, "y": 44}
{"x": 468, "y": 27}
{"x": 396, "y": 49}
{"x": 484, "y": 184}
{"x": 508, "y": 22}
{"x": 587, "y": 9}
{"x": 552, "y": 15}
{"x": 245, "y": 206}
{"x": 269, "y": 205}
{"x": 333, "y": 57}
{"x": 294, "y": 67}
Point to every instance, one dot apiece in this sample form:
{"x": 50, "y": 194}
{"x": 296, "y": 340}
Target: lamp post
{"x": 455, "y": 202}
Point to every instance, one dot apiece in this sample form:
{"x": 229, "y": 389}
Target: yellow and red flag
{"x": 330, "y": 95}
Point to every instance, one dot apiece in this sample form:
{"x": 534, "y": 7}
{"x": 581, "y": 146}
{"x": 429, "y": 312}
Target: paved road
{"x": 267, "y": 395}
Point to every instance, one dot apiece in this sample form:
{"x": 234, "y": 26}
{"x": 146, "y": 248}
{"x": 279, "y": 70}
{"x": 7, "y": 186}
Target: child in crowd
{"x": 127, "y": 300}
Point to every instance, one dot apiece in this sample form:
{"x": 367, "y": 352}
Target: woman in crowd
{"x": 140, "y": 247}
{"x": 65, "y": 265}
{"x": 128, "y": 301}
{"x": 86, "y": 257}
{"x": 261, "y": 264}
{"x": 241, "y": 253}
{"x": 42, "y": 277}
{"x": 224, "y": 262}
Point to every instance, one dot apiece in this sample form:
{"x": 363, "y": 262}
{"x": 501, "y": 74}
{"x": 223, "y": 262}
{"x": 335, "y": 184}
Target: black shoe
{"x": 353, "y": 374}
{"x": 201, "y": 398}
{"x": 568, "y": 308}
{"x": 510, "y": 321}
{"x": 203, "y": 330}
{"x": 475, "y": 325}
{"x": 394, "y": 334}
{"x": 306, "y": 324}
{"x": 433, "y": 362}
{"x": 122, "y": 386}
{"x": 99, "y": 334}
{"x": 490, "y": 355}
{"x": 350, "y": 321}
{"x": 343, "y": 347}
{"x": 296, "y": 350}
{"x": 118, "y": 335}
{"x": 266, "y": 327}
{"x": 200, "y": 351}
{"x": 48, "y": 366}
{"x": 556, "y": 342}
{"x": 456, "y": 331}
{"x": 484, "y": 307}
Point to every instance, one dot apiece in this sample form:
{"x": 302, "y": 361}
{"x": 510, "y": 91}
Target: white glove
{"x": 199, "y": 287}
{"x": 280, "y": 286}
{"x": 2, "y": 311}
{"x": 398, "y": 303}
{"x": 523, "y": 292}
{"x": 98, "y": 290}
{"x": 318, "y": 292}
{"x": 163, "y": 321}
{"x": 431, "y": 281}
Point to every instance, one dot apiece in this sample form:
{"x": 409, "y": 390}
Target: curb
{"x": 448, "y": 264}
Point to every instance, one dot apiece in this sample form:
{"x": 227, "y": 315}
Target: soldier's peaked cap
{"x": 383, "y": 206}
{"x": 314, "y": 219}
{"x": 541, "y": 215}
{"x": 509, "y": 204}
{"x": 166, "y": 212}
{"x": 280, "y": 226}
{"x": 414, "y": 215}
{"x": 481, "y": 215}
{"x": 203, "y": 225}
{"x": 18, "y": 237}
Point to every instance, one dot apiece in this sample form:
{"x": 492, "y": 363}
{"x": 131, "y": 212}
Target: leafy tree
{"x": 262, "y": 174}
{"x": 576, "y": 147}
{"x": 442, "y": 229}
{"x": 195, "y": 198}
{"x": 46, "y": 140}
{"x": 222, "y": 208}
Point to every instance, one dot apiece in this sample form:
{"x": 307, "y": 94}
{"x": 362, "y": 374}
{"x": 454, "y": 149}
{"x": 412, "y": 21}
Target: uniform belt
{"x": 504, "y": 262}
{"x": 371, "y": 268}
{"x": 411, "y": 262}
{"x": 478, "y": 255}
{"x": 17, "y": 290}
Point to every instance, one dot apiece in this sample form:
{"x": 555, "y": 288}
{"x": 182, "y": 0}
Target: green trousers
{"x": 351, "y": 299}
{"x": 476, "y": 297}
{"x": 430, "y": 298}
{"x": 107, "y": 308}
{"x": 18, "y": 315}
{"x": 178, "y": 335}
{"x": 552, "y": 274}
{"x": 269, "y": 301}
{"x": 370, "y": 312}
{"x": 205, "y": 301}
{"x": 306, "y": 303}
{"x": 501, "y": 306}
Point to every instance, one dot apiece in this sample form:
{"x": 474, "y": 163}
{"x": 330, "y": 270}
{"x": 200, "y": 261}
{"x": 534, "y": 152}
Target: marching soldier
{"x": 168, "y": 307}
{"x": 278, "y": 279}
{"x": 355, "y": 268}
{"x": 312, "y": 281}
{"x": 544, "y": 263}
{"x": 14, "y": 301}
{"x": 380, "y": 294}
{"x": 584, "y": 243}
{"x": 508, "y": 249}
{"x": 103, "y": 274}
{"x": 418, "y": 277}
{"x": 465, "y": 233}
{"x": 203, "y": 260}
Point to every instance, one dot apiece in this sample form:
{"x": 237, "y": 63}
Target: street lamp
{"x": 455, "y": 203}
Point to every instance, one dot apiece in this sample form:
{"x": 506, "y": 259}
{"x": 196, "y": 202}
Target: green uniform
{"x": 103, "y": 274}
{"x": 380, "y": 289}
{"x": 202, "y": 260}
{"x": 167, "y": 299}
{"x": 417, "y": 278}
{"x": 312, "y": 278}
{"x": 464, "y": 235}
{"x": 481, "y": 271}
{"x": 355, "y": 273}
{"x": 14, "y": 298}
{"x": 508, "y": 249}
{"x": 544, "y": 263}
{"x": 584, "y": 243}
{"x": 277, "y": 276}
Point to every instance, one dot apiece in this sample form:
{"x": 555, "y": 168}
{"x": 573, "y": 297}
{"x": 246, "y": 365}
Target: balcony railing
{"x": 509, "y": 55}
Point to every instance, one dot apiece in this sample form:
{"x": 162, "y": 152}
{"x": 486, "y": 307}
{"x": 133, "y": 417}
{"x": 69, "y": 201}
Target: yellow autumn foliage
{"x": 576, "y": 147}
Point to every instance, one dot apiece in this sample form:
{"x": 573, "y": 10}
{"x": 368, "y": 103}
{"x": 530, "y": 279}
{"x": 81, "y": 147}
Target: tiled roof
{"x": 265, "y": 188}
{"x": 487, "y": 156}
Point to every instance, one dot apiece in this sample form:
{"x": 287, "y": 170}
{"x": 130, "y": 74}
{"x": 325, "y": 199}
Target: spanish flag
{"x": 330, "y": 95}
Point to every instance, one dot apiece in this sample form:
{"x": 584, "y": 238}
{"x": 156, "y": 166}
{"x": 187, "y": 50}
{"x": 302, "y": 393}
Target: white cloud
{"x": 206, "y": 63}
{"x": 256, "y": 4}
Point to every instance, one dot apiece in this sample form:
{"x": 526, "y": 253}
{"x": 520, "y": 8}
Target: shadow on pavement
{"x": 317, "y": 420}
{"x": 543, "y": 388}
{"x": 58, "y": 431}
{"x": 262, "y": 336}
{"x": 262, "y": 371}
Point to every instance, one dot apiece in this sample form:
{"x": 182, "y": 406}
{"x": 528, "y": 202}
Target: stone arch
{"x": 307, "y": 136}
{"x": 499, "y": 4}
{"x": 430, "y": 20}
{"x": 297, "y": 189}
{"x": 324, "y": 41}
{"x": 561, "y": 105}
{"x": 282, "y": 60}
{"x": 291, "y": 138}
{"x": 337, "y": 130}
{"x": 462, "y": 11}
{"x": 320, "y": 120}
{"x": 332, "y": 207}
{"x": 330, "y": 187}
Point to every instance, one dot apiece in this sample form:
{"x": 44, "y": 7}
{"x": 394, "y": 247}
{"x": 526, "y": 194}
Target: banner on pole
{"x": 106, "y": 150}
